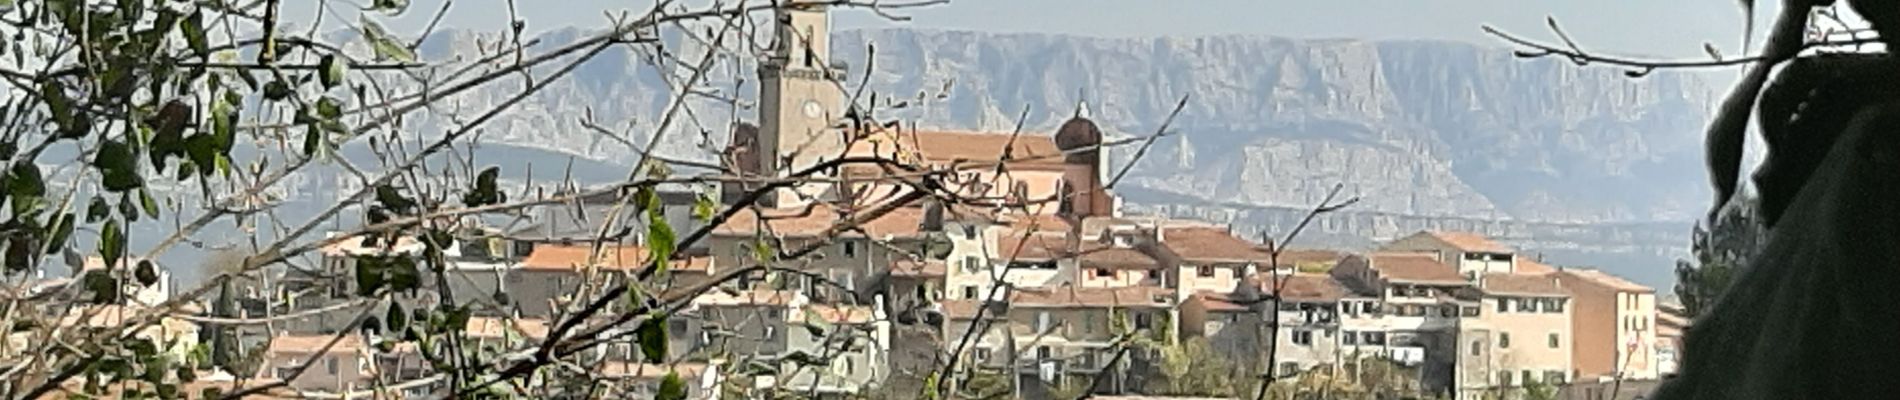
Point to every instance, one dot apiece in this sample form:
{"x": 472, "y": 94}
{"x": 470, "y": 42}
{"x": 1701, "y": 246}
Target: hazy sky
{"x": 1655, "y": 27}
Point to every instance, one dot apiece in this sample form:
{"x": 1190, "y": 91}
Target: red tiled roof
{"x": 1303, "y": 287}
{"x": 1098, "y": 255}
{"x": 960, "y": 309}
{"x": 1132, "y": 296}
{"x": 1026, "y": 246}
{"x": 307, "y": 344}
{"x": 1210, "y": 244}
{"x": 574, "y": 257}
{"x": 1527, "y": 265}
{"x": 748, "y": 297}
{"x": 1414, "y": 267}
{"x": 1298, "y": 257}
{"x": 842, "y": 314}
{"x": 1523, "y": 284}
{"x": 918, "y": 268}
{"x": 1467, "y": 241}
{"x": 1607, "y": 280}
{"x": 941, "y": 147}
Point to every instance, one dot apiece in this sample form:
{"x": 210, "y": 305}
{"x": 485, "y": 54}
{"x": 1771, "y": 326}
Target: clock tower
{"x": 799, "y": 98}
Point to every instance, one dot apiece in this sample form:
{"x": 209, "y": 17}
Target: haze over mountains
{"x": 1582, "y": 163}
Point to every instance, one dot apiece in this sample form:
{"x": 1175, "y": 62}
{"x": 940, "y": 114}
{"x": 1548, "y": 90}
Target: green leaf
{"x": 313, "y": 141}
{"x": 402, "y": 274}
{"x": 24, "y": 180}
{"x": 816, "y": 324}
{"x": 652, "y": 337}
{"x": 111, "y": 243}
{"x": 118, "y": 170}
{"x": 146, "y": 273}
{"x": 332, "y": 71}
{"x": 486, "y": 190}
{"x": 386, "y": 47}
{"x": 104, "y": 288}
{"x": 705, "y": 207}
{"x": 762, "y": 252}
{"x": 20, "y": 253}
{"x": 396, "y": 318}
{"x": 277, "y": 90}
{"x": 391, "y": 198}
{"x": 194, "y": 28}
{"x": 660, "y": 241}
{"x": 148, "y": 203}
{"x": 59, "y": 232}
{"x": 98, "y": 210}
{"x": 369, "y": 275}
{"x": 329, "y": 109}
{"x": 127, "y": 209}
{"x": 672, "y": 387}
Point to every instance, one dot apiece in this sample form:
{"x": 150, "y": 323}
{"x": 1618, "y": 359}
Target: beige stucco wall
{"x": 1531, "y": 345}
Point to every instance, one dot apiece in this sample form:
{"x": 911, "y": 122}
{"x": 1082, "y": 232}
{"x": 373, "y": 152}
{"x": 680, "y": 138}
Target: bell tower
{"x": 799, "y": 98}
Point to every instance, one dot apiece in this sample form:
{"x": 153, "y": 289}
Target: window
{"x": 1303, "y": 337}
{"x": 1415, "y": 310}
{"x": 1555, "y": 306}
{"x": 972, "y": 263}
{"x": 1289, "y": 368}
{"x": 1504, "y": 304}
{"x": 1103, "y": 273}
{"x": 969, "y": 293}
{"x": 1044, "y": 353}
{"x": 1504, "y": 378}
{"x": 1527, "y": 377}
{"x": 1471, "y": 311}
{"x": 850, "y": 248}
{"x": 969, "y": 232}
{"x": 1504, "y": 340}
{"x": 771, "y": 332}
{"x": 1371, "y": 308}
{"x": 1375, "y": 338}
{"x": 1554, "y": 340}
{"x": 331, "y": 364}
{"x": 1204, "y": 271}
{"x": 1154, "y": 274}
{"x": 1526, "y": 305}
{"x": 1476, "y": 345}
{"x": 982, "y": 354}
{"x": 1143, "y": 320}
{"x": 1349, "y": 338}
{"x": 1554, "y": 377}
{"x": 1042, "y": 321}
{"x": 1448, "y": 311}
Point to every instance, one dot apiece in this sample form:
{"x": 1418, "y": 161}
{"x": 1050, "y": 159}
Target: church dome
{"x": 1076, "y": 133}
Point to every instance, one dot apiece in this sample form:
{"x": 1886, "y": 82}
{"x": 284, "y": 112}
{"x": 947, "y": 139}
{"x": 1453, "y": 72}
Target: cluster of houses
{"x": 1030, "y": 272}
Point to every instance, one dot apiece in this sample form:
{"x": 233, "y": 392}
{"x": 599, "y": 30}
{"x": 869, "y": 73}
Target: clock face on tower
{"x": 812, "y": 110}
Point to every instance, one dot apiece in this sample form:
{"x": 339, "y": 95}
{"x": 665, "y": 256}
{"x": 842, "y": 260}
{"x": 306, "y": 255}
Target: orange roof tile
{"x": 1527, "y": 265}
{"x": 748, "y": 298}
{"x": 918, "y": 268}
{"x": 1414, "y": 267}
{"x": 1469, "y": 241}
{"x": 1067, "y": 297}
{"x": 1303, "y": 287}
{"x": 633, "y": 370}
{"x": 1098, "y": 255}
{"x": 307, "y": 344}
{"x": 1296, "y": 257}
{"x": 565, "y": 257}
{"x": 1210, "y": 244}
{"x": 960, "y": 309}
{"x": 496, "y": 328}
{"x": 1523, "y": 284}
{"x": 1607, "y": 280}
{"x": 1024, "y": 246}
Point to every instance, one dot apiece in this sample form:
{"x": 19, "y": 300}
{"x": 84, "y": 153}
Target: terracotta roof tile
{"x": 843, "y": 314}
{"x": 1211, "y": 244}
{"x": 1070, "y": 297}
{"x": 632, "y": 370}
{"x": 1527, "y": 265}
{"x": 1523, "y": 284}
{"x": 565, "y": 257}
{"x": 308, "y": 344}
{"x": 1414, "y": 267}
{"x": 1468, "y": 241}
{"x": 1607, "y": 280}
{"x": 1026, "y": 246}
{"x": 1098, "y": 255}
{"x": 1303, "y": 287}
{"x": 749, "y": 298}
{"x": 353, "y": 246}
{"x": 960, "y": 309}
{"x": 1299, "y": 257}
{"x": 918, "y": 268}
{"x": 496, "y": 328}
